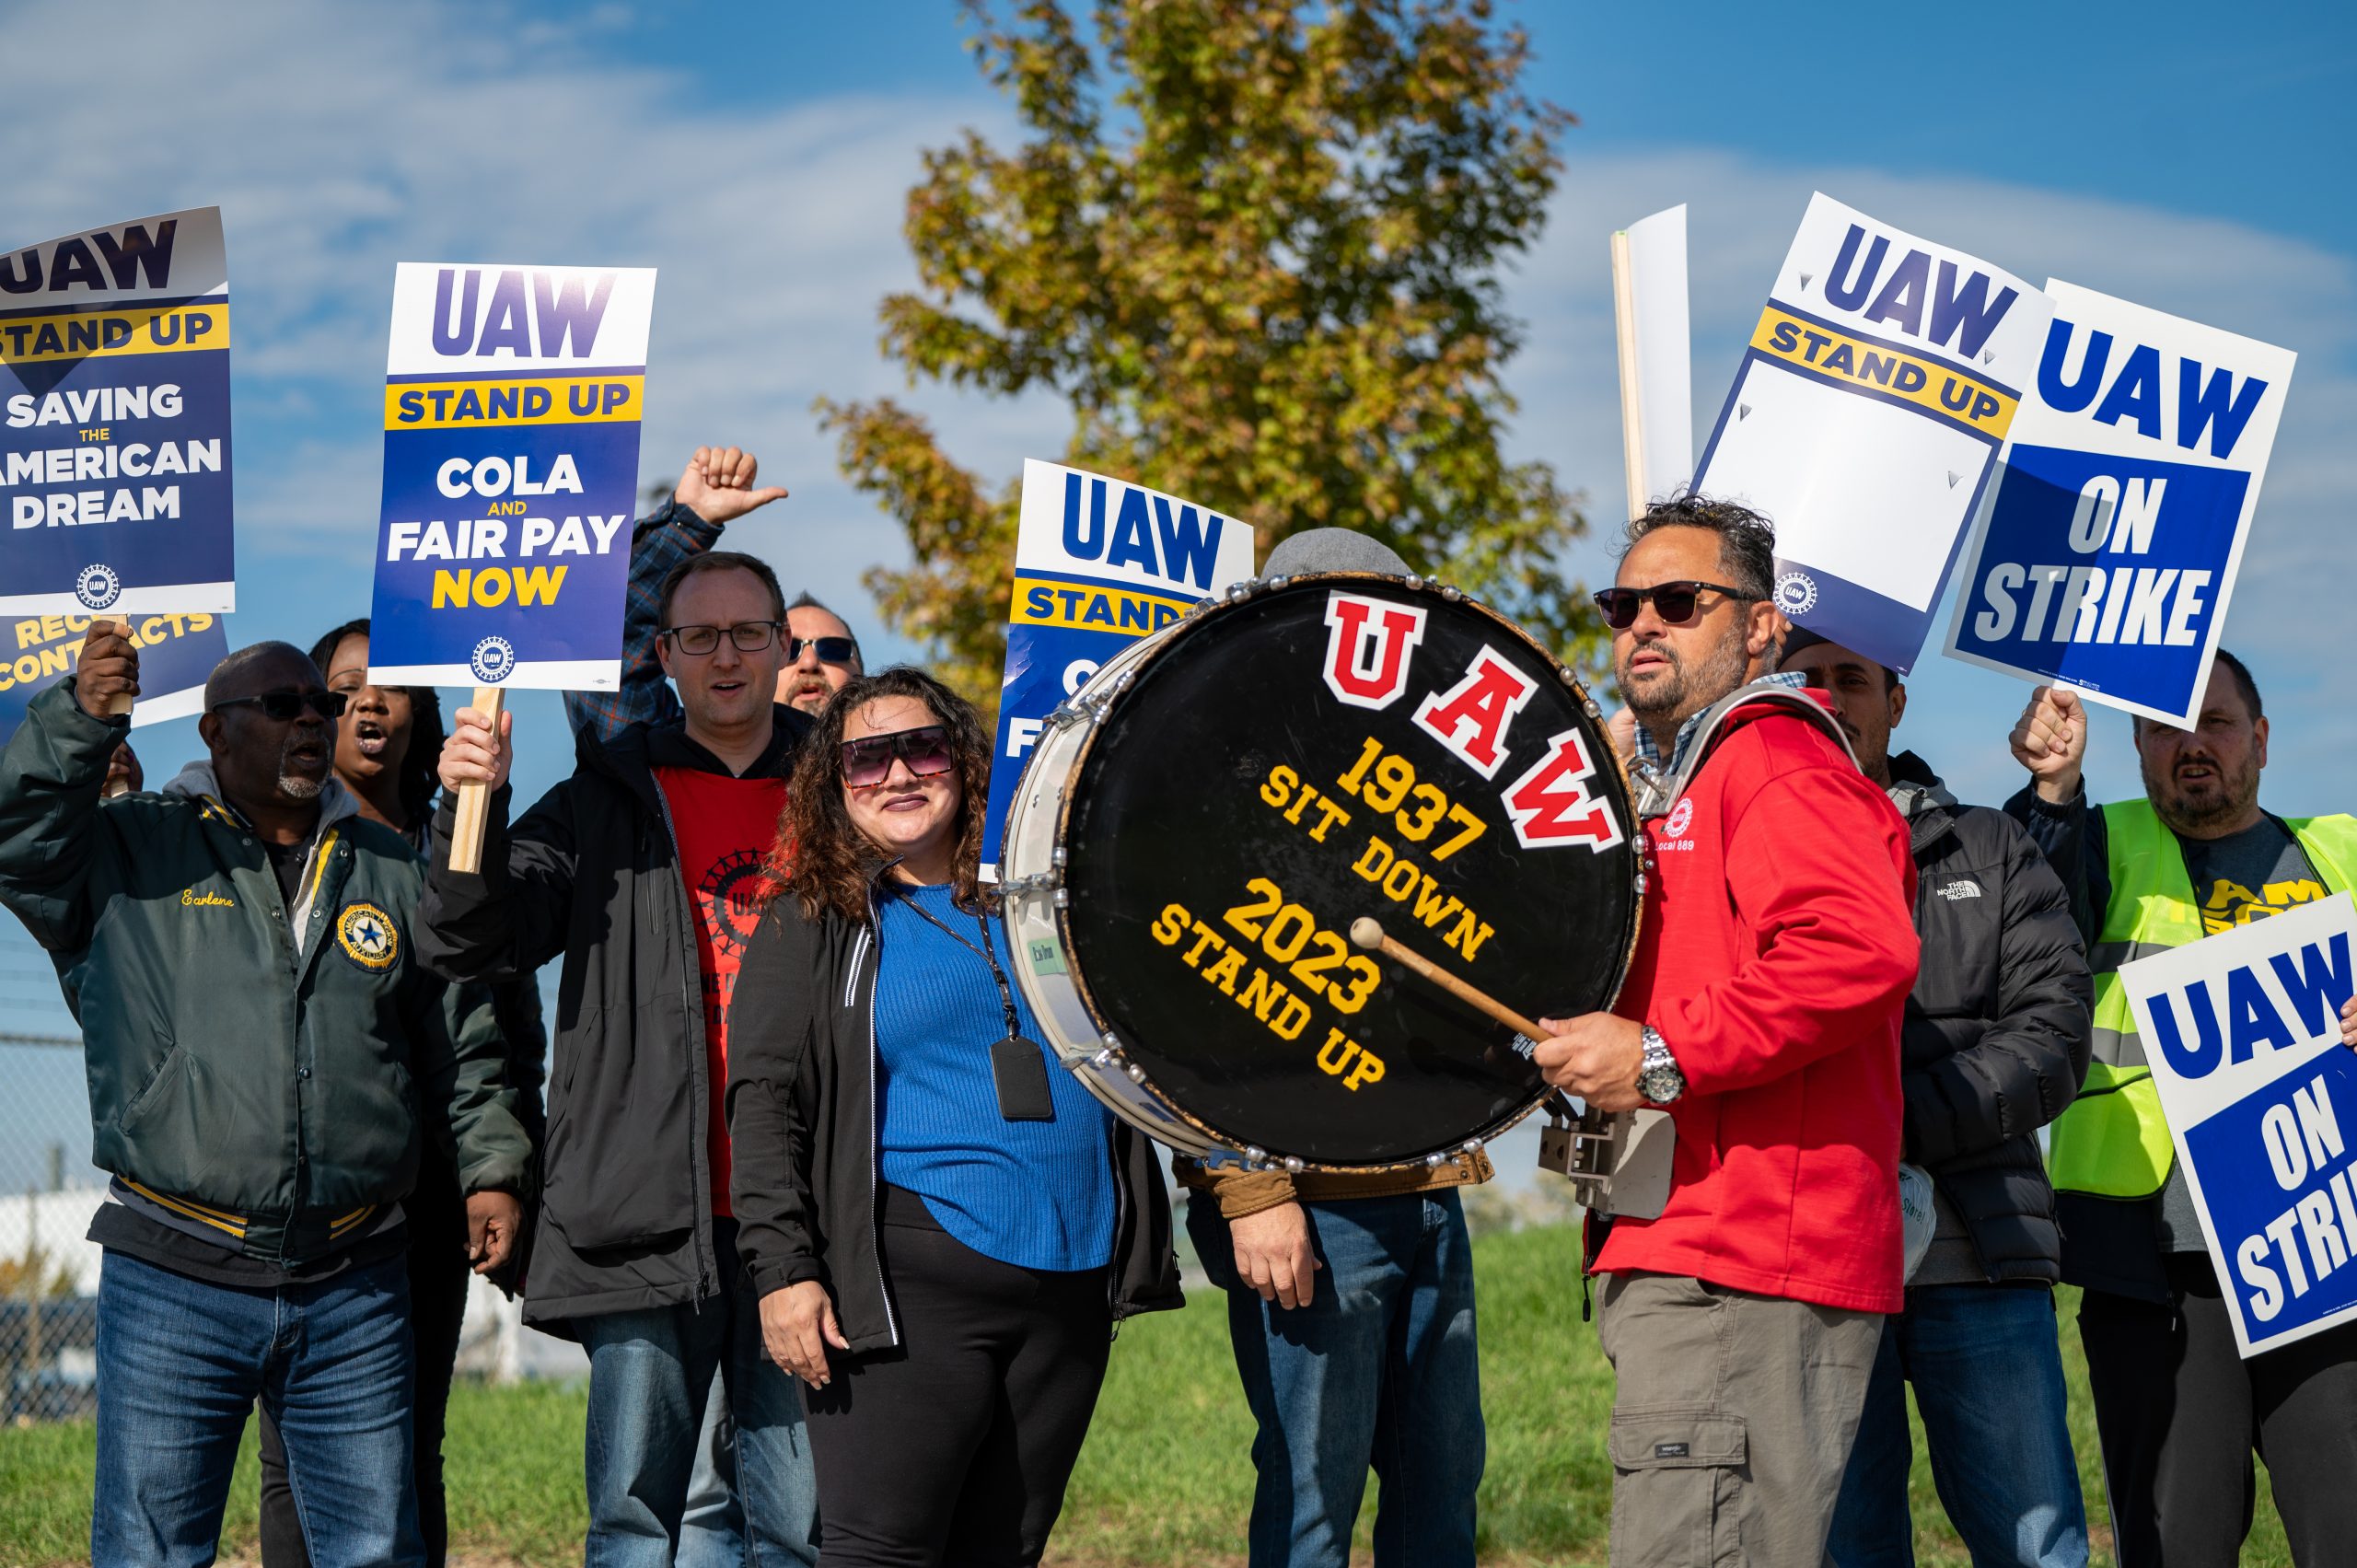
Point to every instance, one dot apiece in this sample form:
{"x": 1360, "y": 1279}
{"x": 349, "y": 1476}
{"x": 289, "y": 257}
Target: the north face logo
{"x": 1962, "y": 887}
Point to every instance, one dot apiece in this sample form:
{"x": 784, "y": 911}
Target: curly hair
{"x": 820, "y": 856}
{"x": 419, "y": 779}
{"x": 1746, "y": 540}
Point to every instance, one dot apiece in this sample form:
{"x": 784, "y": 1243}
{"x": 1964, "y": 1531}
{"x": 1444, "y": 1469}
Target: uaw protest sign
{"x": 2242, "y": 1034}
{"x": 177, "y": 653}
{"x": 512, "y": 405}
{"x": 2108, "y": 558}
{"x": 1866, "y": 419}
{"x": 1098, "y": 564}
{"x": 114, "y": 443}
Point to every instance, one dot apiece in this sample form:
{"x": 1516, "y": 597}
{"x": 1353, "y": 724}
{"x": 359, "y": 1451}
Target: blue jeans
{"x": 1380, "y": 1368}
{"x": 712, "y": 1526}
{"x": 180, "y": 1365}
{"x": 1988, "y": 1376}
{"x": 650, "y": 1381}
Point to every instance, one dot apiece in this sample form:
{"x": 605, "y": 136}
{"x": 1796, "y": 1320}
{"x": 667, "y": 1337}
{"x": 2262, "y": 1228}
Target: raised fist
{"x": 2051, "y": 742}
{"x": 107, "y": 680}
{"x": 718, "y": 484}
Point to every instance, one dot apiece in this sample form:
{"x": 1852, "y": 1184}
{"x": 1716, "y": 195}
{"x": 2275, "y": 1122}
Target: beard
{"x": 296, "y": 778}
{"x": 1684, "y": 690}
{"x": 2206, "y": 804}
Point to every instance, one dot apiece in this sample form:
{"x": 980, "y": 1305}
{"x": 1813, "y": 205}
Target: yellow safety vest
{"x": 2113, "y": 1141}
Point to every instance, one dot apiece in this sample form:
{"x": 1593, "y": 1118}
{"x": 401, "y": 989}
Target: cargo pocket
{"x": 1678, "y": 1488}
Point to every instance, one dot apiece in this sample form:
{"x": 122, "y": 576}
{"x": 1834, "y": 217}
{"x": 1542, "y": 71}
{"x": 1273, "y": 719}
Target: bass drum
{"x": 1200, "y": 826}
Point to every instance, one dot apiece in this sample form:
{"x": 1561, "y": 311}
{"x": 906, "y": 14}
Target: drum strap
{"x": 1005, "y": 993}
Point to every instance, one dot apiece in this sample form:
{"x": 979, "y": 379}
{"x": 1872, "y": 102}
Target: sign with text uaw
{"x": 1098, "y": 564}
{"x": 2242, "y": 1033}
{"x": 114, "y": 450}
{"x": 1866, "y": 419}
{"x": 2107, "y": 557}
{"x": 512, "y": 405}
{"x": 177, "y": 653}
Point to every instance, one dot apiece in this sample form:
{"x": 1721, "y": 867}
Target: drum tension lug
{"x": 1024, "y": 887}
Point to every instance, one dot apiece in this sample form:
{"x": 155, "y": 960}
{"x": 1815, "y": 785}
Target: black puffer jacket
{"x": 1995, "y": 1041}
{"x": 802, "y": 1133}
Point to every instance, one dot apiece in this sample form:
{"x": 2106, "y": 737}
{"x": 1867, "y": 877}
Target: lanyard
{"x": 1006, "y": 995}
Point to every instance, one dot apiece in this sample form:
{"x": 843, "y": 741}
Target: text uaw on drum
{"x": 1200, "y": 826}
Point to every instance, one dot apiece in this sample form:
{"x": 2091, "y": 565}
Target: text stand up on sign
{"x": 474, "y": 799}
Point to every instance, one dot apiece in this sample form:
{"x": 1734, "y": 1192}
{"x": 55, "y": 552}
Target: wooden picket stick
{"x": 1368, "y": 932}
{"x": 474, "y": 799}
{"x": 1633, "y": 413}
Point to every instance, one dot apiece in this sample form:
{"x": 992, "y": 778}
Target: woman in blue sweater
{"x": 943, "y": 1224}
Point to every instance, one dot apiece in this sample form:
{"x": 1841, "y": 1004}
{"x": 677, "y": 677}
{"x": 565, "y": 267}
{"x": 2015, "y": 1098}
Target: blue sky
{"x": 2192, "y": 158}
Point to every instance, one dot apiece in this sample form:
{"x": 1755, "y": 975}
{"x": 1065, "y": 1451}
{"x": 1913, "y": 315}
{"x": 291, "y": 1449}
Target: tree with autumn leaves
{"x": 1255, "y": 246}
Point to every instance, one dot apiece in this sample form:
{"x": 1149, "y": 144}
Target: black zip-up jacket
{"x": 591, "y": 874}
{"x": 1996, "y": 1036}
{"x": 802, "y": 1132}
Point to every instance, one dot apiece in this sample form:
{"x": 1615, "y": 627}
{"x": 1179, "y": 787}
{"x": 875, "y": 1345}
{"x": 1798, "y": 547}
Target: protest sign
{"x": 114, "y": 449}
{"x": 512, "y": 403}
{"x": 1656, "y": 357}
{"x": 177, "y": 652}
{"x": 1866, "y": 419}
{"x": 1098, "y": 564}
{"x": 2242, "y": 1034}
{"x": 2107, "y": 559}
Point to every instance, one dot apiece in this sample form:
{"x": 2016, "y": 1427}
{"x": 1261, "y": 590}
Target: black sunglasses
{"x": 1675, "y": 603}
{"x": 867, "y": 762}
{"x": 831, "y": 650}
{"x": 283, "y": 706}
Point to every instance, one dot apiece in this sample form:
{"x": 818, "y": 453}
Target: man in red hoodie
{"x": 1762, "y": 1012}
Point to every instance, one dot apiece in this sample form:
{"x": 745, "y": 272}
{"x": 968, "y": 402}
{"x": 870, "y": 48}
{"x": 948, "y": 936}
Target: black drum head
{"x": 1342, "y": 747}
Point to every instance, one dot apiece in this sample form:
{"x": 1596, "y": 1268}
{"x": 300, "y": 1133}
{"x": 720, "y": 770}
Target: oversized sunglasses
{"x": 867, "y": 762}
{"x": 281, "y": 706}
{"x": 831, "y": 650}
{"x": 1675, "y": 603}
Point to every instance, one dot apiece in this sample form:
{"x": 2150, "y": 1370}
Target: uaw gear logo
{"x": 1795, "y": 593}
{"x": 1681, "y": 817}
{"x": 97, "y": 585}
{"x": 368, "y": 936}
{"x": 493, "y": 660}
{"x": 730, "y": 896}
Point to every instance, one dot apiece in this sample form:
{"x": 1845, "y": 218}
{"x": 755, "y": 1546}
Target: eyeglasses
{"x": 1677, "y": 603}
{"x": 831, "y": 650}
{"x": 751, "y": 637}
{"x": 867, "y": 762}
{"x": 283, "y": 706}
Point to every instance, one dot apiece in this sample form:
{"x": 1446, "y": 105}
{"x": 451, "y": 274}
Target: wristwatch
{"x": 1659, "y": 1078}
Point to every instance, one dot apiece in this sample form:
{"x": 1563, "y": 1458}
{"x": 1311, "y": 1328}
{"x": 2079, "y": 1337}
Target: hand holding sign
{"x": 474, "y": 754}
{"x": 109, "y": 671}
{"x": 717, "y": 485}
{"x": 2051, "y": 742}
{"x": 2349, "y": 1023}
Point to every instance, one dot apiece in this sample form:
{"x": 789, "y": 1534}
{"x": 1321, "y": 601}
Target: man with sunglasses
{"x": 641, "y": 873}
{"x": 1762, "y": 1012}
{"x": 1993, "y": 1047}
{"x": 266, "y": 1057}
{"x": 716, "y": 488}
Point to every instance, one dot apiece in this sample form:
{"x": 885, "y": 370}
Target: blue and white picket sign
{"x": 177, "y": 653}
{"x": 2242, "y": 1034}
{"x": 2106, "y": 560}
{"x": 114, "y": 446}
{"x": 1866, "y": 419}
{"x": 1098, "y": 564}
{"x": 512, "y": 405}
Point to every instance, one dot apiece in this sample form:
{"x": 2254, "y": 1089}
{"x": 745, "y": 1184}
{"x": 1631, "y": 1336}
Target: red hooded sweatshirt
{"x": 1776, "y": 955}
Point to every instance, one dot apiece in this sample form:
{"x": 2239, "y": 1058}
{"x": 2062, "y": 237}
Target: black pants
{"x": 2180, "y": 1415}
{"x": 957, "y": 1446}
{"x": 437, "y": 1215}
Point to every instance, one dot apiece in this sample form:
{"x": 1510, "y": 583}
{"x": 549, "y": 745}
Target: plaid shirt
{"x": 659, "y": 542}
{"x": 1649, "y": 753}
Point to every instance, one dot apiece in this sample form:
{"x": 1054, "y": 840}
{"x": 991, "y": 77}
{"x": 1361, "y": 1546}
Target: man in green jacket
{"x": 265, "y": 1056}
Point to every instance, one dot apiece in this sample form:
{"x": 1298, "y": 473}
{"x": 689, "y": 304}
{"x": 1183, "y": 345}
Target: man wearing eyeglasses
{"x": 716, "y": 488}
{"x": 641, "y": 873}
{"x": 266, "y": 1056}
{"x": 1762, "y": 1012}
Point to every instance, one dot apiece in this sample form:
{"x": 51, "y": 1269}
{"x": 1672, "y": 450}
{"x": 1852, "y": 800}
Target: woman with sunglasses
{"x": 942, "y": 1225}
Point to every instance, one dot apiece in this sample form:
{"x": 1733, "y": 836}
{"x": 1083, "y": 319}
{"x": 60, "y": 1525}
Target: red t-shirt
{"x": 724, "y": 826}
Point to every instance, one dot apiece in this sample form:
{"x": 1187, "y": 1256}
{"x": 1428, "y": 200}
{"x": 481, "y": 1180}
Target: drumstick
{"x": 1368, "y": 932}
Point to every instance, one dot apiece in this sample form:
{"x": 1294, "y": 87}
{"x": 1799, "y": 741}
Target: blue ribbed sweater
{"x": 1038, "y": 1194}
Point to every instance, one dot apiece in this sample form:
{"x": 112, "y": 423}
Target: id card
{"x": 1021, "y": 1072}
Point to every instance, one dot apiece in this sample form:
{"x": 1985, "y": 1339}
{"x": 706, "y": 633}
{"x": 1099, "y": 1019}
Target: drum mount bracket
{"x": 1620, "y": 1162}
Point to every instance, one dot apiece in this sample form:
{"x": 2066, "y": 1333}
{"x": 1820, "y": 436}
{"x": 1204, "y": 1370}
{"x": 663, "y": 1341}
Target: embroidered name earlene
{"x": 191, "y": 898}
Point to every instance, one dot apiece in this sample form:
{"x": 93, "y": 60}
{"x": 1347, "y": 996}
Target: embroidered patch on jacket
{"x": 367, "y": 936}
{"x": 1962, "y": 887}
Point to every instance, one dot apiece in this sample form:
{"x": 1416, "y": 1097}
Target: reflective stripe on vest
{"x": 2113, "y": 1141}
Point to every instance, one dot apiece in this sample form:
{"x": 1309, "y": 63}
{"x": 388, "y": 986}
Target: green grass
{"x": 1166, "y": 1478}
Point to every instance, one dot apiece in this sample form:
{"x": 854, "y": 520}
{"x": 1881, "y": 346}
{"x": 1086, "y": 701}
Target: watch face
{"x": 1661, "y": 1084}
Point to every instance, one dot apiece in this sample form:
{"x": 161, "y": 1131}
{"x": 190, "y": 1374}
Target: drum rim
{"x": 1235, "y": 596}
